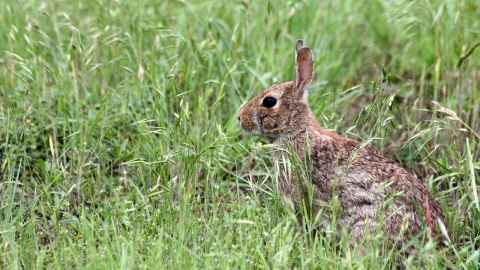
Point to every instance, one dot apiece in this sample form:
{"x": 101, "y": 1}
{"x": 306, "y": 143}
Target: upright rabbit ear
{"x": 304, "y": 69}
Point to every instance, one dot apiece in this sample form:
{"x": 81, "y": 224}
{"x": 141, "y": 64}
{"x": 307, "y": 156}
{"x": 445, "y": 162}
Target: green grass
{"x": 119, "y": 141}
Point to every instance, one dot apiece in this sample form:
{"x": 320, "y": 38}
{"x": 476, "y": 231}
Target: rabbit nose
{"x": 238, "y": 118}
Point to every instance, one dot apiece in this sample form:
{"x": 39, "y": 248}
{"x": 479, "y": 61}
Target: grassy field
{"x": 120, "y": 147}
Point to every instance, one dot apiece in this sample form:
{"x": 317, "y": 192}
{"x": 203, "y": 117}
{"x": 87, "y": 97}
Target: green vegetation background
{"x": 119, "y": 141}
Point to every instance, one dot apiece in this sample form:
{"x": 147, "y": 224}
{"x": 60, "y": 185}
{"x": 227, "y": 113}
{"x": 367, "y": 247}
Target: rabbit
{"x": 374, "y": 192}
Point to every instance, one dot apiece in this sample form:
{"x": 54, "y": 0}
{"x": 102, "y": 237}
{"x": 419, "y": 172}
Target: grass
{"x": 120, "y": 148}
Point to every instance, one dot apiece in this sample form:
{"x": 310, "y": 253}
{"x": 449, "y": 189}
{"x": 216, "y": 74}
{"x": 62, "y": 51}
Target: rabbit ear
{"x": 304, "y": 68}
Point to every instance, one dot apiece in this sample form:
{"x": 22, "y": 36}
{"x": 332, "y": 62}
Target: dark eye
{"x": 269, "y": 102}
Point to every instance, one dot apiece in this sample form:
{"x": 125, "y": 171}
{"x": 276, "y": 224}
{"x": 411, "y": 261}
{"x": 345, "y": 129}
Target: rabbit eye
{"x": 269, "y": 102}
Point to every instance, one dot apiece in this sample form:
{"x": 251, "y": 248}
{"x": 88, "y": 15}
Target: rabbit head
{"x": 281, "y": 109}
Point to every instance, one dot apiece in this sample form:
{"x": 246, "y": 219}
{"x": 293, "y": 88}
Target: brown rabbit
{"x": 373, "y": 191}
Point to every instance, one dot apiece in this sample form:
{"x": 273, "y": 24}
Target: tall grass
{"x": 120, "y": 148}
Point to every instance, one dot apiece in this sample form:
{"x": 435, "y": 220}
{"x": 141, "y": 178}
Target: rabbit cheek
{"x": 269, "y": 123}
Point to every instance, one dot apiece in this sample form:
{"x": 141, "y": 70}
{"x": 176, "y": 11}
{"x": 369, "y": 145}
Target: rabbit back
{"x": 375, "y": 193}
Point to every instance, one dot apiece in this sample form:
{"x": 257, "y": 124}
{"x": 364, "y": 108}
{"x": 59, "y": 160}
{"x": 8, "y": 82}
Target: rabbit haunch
{"x": 374, "y": 192}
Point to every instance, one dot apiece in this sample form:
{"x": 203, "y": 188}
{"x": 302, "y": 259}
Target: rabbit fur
{"x": 374, "y": 192}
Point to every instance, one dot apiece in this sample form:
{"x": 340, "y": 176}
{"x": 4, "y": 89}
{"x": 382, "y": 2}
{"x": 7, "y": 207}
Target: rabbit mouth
{"x": 250, "y": 127}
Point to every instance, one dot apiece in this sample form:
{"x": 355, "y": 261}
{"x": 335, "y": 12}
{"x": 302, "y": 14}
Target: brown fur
{"x": 368, "y": 185}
